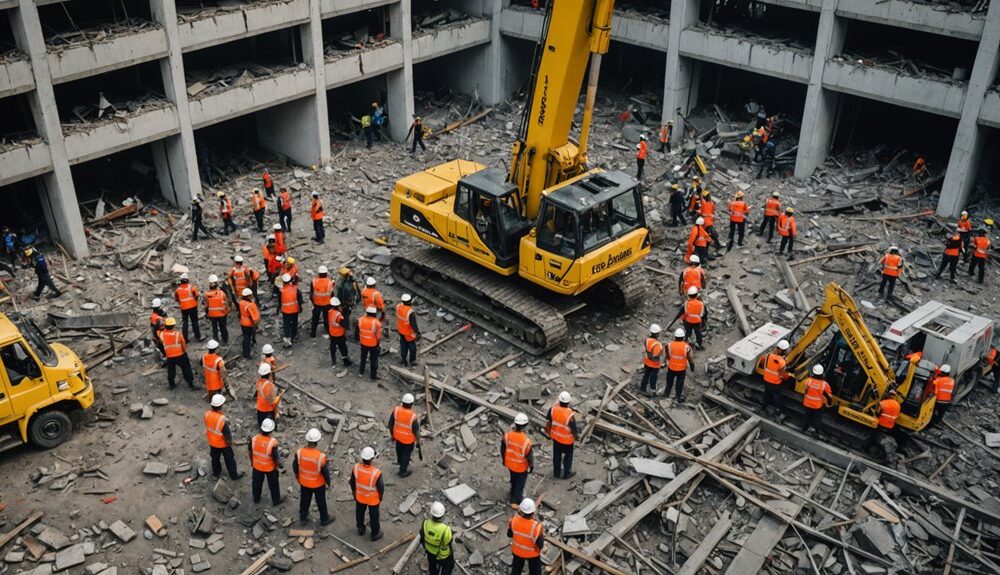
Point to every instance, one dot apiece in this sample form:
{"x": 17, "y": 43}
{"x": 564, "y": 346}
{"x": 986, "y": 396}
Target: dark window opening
{"x": 80, "y": 21}
{"x": 110, "y": 96}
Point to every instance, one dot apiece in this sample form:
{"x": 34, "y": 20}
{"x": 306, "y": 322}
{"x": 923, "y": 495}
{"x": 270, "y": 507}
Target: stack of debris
{"x": 354, "y": 42}
{"x": 427, "y": 21}
{"x": 192, "y": 11}
{"x": 206, "y": 82}
{"x": 66, "y": 40}
{"x": 908, "y": 67}
{"x": 103, "y": 111}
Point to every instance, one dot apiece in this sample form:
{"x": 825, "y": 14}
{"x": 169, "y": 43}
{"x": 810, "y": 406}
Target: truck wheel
{"x": 49, "y": 429}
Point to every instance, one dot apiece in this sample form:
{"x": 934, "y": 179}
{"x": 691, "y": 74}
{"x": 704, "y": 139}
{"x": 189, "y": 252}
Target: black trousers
{"x": 788, "y": 240}
{"x": 964, "y": 237}
{"x": 772, "y": 395}
{"x": 665, "y": 146}
{"x": 695, "y": 328}
{"x": 262, "y": 415}
{"x": 562, "y": 459}
{"x": 517, "y": 483}
{"x": 269, "y": 191}
{"x": 191, "y": 316}
{"x": 640, "y": 168}
{"x": 417, "y": 141}
{"x": 768, "y": 222}
{"x": 219, "y": 327}
{"x": 407, "y": 350}
{"x": 373, "y": 517}
{"x": 702, "y": 253}
{"x": 198, "y": 226}
{"x": 318, "y": 314}
{"x": 403, "y": 454}
{"x": 371, "y": 353}
{"x": 887, "y": 282}
{"x": 339, "y": 344}
{"x": 368, "y": 137}
{"x": 534, "y": 565}
{"x": 257, "y": 484}
{"x": 319, "y": 230}
{"x": 440, "y": 566}
{"x": 675, "y": 377}
{"x": 978, "y": 263}
{"x": 290, "y": 325}
{"x": 939, "y": 410}
{"x": 677, "y": 216}
{"x": 346, "y": 310}
{"x": 714, "y": 235}
{"x": 649, "y": 375}
{"x": 734, "y": 229}
{"x": 45, "y": 281}
{"x": 248, "y": 339}
{"x": 951, "y": 262}
{"x": 217, "y": 455}
{"x": 811, "y": 418}
{"x": 285, "y": 219}
{"x": 258, "y": 216}
{"x": 306, "y": 495}
{"x": 228, "y": 225}
{"x": 185, "y": 364}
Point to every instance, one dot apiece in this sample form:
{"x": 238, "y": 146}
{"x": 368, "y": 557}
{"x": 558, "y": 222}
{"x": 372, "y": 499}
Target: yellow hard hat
{"x": 988, "y": 221}
{"x": 739, "y": 193}
{"x": 290, "y": 260}
{"x": 746, "y": 138}
{"x": 675, "y": 187}
{"x": 790, "y": 210}
{"x": 221, "y": 194}
{"x": 345, "y": 271}
{"x": 704, "y": 193}
{"x": 29, "y": 251}
{"x": 170, "y": 322}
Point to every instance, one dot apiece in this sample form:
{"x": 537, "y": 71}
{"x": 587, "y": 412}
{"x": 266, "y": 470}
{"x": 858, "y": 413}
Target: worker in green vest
{"x": 436, "y": 537}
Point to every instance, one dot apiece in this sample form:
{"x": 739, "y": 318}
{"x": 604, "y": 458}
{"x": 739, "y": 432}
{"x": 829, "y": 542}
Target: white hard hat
{"x": 783, "y": 344}
{"x": 212, "y": 344}
{"x": 286, "y": 278}
{"x": 313, "y": 435}
{"x": 946, "y": 368}
{"x": 277, "y": 227}
{"x": 693, "y": 290}
{"x": 267, "y": 426}
{"x": 156, "y": 302}
{"x": 893, "y": 248}
{"x": 695, "y": 259}
{"x": 437, "y": 510}
{"x": 271, "y": 236}
{"x": 965, "y": 213}
{"x": 213, "y": 279}
{"x": 655, "y": 328}
{"x": 247, "y": 292}
{"x": 699, "y": 221}
{"x": 371, "y": 309}
{"x": 323, "y": 270}
{"x": 406, "y": 297}
{"x": 218, "y": 399}
{"x": 527, "y": 506}
{"x": 335, "y": 302}
{"x": 369, "y": 281}
{"x": 368, "y": 454}
{"x": 817, "y": 369}
{"x": 315, "y": 194}
{"x": 238, "y": 259}
{"x": 679, "y": 332}
{"x": 520, "y": 419}
{"x": 184, "y": 276}
{"x": 407, "y": 398}
{"x": 267, "y": 349}
{"x": 264, "y": 369}
{"x": 565, "y": 397}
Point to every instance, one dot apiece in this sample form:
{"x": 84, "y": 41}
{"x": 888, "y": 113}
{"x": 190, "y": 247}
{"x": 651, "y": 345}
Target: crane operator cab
{"x": 494, "y": 208}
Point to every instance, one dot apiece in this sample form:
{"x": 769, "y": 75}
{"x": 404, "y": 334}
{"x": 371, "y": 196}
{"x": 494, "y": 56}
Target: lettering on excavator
{"x": 542, "y": 103}
{"x": 612, "y": 260}
{"x": 852, "y": 339}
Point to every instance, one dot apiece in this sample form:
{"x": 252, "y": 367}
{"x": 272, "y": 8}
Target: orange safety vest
{"x": 173, "y": 343}
{"x": 402, "y": 425}
{"x": 560, "y": 431}
{"x": 888, "y": 411}
{"x": 815, "y": 388}
{"x": 664, "y": 134}
{"x": 316, "y": 210}
{"x": 643, "y": 149}
{"x": 774, "y": 366}
{"x": 156, "y": 322}
{"x": 249, "y": 314}
{"x": 265, "y": 390}
{"x": 515, "y": 456}
{"x": 964, "y": 225}
{"x": 226, "y": 207}
{"x": 708, "y": 212}
{"x": 981, "y": 245}
{"x": 210, "y": 365}
{"x": 694, "y": 311}
{"x": 241, "y": 278}
{"x": 891, "y": 264}
{"x": 290, "y": 299}
{"x": 654, "y": 349}
{"x": 335, "y": 319}
{"x": 944, "y": 386}
{"x": 369, "y": 330}
{"x": 403, "y": 325}
{"x": 279, "y": 243}
{"x": 919, "y": 166}
{"x": 525, "y": 532}
{"x": 371, "y": 297}
{"x": 272, "y": 361}
{"x": 292, "y": 270}
{"x": 677, "y": 355}
{"x": 953, "y": 251}
{"x": 187, "y": 296}
{"x": 772, "y": 207}
{"x": 692, "y": 277}
{"x": 218, "y": 303}
{"x": 268, "y": 182}
{"x": 786, "y": 225}
{"x": 286, "y": 200}
{"x": 699, "y": 236}
{"x": 271, "y": 263}
{"x": 311, "y": 462}
{"x": 738, "y": 211}
{"x": 214, "y": 423}
{"x": 258, "y": 202}
{"x": 366, "y": 484}
{"x": 263, "y": 447}
{"x": 322, "y": 289}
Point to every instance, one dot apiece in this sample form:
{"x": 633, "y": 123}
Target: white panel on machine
{"x": 742, "y": 356}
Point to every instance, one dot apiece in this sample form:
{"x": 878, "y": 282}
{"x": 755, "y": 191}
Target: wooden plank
{"x": 401, "y": 564}
{"x": 828, "y": 255}
{"x": 438, "y": 342}
{"x": 17, "y": 529}
{"x": 741, "y": 314}
{"x": 707, "y": 545}
{"x": 509, "y": 357}
{"x": 258, "y": 563}
{"x": 343, "y": 566}
{"x": 801, "y": 301}
{"x": 308, "y": 394}
{"x": 585, "y": 556}
{"x": 951, "y": 548}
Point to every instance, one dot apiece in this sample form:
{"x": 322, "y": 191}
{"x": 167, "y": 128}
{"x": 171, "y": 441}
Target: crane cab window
{"x": 595, "y": 227}
{"x": 557, "y": 232}
{"x": 625, "y": 213}
{"x": 18, "y": 363}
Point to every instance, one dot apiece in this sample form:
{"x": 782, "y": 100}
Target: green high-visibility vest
{"x": 366, "y": 121}
{"x": 437, "y": 538}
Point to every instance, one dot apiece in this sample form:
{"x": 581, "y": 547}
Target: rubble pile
{"x": 57, "y": 43}
{"x": 103, "y": 111}
{"x": 207, "y": 82}
{"x": 192, "y": 11}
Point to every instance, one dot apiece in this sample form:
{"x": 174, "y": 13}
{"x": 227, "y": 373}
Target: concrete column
{"x": 399, "y": 83}
{"x": 680, "y": 85}
{"x": 312, "y": 48}
{"x": 492, "y": 75}
{"x": 293, "y": 129}
{"x": 969, "y": 141}
{"x": 180, "y": 150}
{"x": 58, "y": 195}
{"x": 821, "y": 104}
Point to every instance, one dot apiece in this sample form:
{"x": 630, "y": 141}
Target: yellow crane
{"x": 564, "y": 230}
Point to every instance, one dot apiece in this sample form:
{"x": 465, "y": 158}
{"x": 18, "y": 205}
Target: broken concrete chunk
{"x": 874, "y": 536}
{"x": 53, "y": 538}
{"x": 70, "y": 557}
{"x": 156, "y": 468}
{"x": 123, "y": 532}
{"x": 222, "y": 492}
{"x": 459, "y": 494}
{"x": 652, "y": 467}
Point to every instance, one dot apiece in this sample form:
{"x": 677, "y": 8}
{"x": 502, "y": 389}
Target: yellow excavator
{"x": 520, "y": 245}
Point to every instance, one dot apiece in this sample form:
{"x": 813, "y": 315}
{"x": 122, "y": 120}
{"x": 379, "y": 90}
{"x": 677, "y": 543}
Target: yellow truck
{"x": 43, "y": 387}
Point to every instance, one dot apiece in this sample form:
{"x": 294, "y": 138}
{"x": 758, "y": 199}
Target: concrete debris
{"x": 459, "y": 494}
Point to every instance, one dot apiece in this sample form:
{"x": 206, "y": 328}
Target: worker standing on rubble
{"x": 892, "y": 266}
{"x": 259, "y": 206}
{"x": 175, "y": 350}
{"x": 369, "y": 489}
{"x": 217, "y": 309}
{"x": 320, "y": 294}
{"x": 266, "y": 393}
{"x": 679, "y": 358}
{"x": 746, "y": 145}
{"x": 707, "y": 213}
{"x": 436, "y": 537}
{"x": 264, "y": 460}
{"x": 693, "y": 315}
{"x": 788, "y": 231}
{"x": 214, "y": 368}
{"x": 10, "y": 248}
{"x": 197, "y": 223}
{"x": 652, "y": 359}
{"x": 676, "y": 206}
{"x": 738, "y": 212}
{"x": 693, "y": 197}
{"x": 560, "y": 426}
{"x": 964, "y": 226}
{"x": 953, "y": 248}
{"x": 280, "y": 246}
{"x": 980, "y": 251}
{"x": 36, "y": 260}
{"x": 267, "y": 356}
{"x": 156, "y": 317}
{"x": 888, "y": 410}
{"x": 768, "y": 159}
{"x": 515, "y": 449}
{"x": 242, "y": 276}
{"x": 270, "y": 255}
{"x": 316, "y": 213}
{"x": 311, "y": 469}
{"x": 285, "y": 210}
{"x": 226, "y": 213}
{"x": 336, "y": 325}
{"x": 404, "y": 428}
{"x": 372, "y": 297}
{"x": 370, "y": 338}
{"x": 692, "y": 276}
{"x": 220, "y": 439}
{"x": 774, "y": 375}
{"x": 187, "y": 300}
{"x": 378, "y": 120}
{"x": 268, "y": 183}
{"x": 249, "y": 318}
{"x": 348, "y": 292}
{"x": 641, "y": 150}
{"x": 291, "y": 306}
{"x": 942, "y": 385}
{"x": 814, "y": 399}
{"x": 409, "y": 330}
{"x": 666, "y": 131}
{"x": 527, "y": 538}
{"x": 772, "y": 209}
{"x": 417, "y": 129}
{"x": 698, "y": 241}
{"x": 368, "y": 129}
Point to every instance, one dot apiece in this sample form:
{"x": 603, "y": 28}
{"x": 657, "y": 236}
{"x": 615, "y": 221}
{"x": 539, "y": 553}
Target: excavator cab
{"x": 494, "y": 208}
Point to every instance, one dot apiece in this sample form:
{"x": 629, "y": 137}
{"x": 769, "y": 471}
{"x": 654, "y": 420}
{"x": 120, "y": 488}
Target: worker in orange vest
{"x": 919, "y": 168}
{"x": 409, "y": 330}
{"x": 187, "y": 300}
{"x": 290, "y": 266}
{"x": 285, "y": 210}
{"x": 774, "y": 375}
{"x": 242, "y": 276}
{"x": 175, "y": 350}
{"x": 320, "y": 294}
{"x": 527, "y": 538}
{"x": 266, "y": 393}
{"x": 291, "y": 306}
{"x": 264, "y": 461}
{"x": 698, "y": 242}
{"x": 348, "y": 291}
{"x": 772, "y": 209}
{"x": 892, "y": 266}
{"x": 336, "y": 323}
{"x": 220, "y": 439}
{"x": 560, "y": 426}
{"x": 370, "y": 338}
{"x": 311, "y": 469}
{"x": 888, "y": 410}
{"x": 738, "y": 212}
{"x": 156, "y": 317}
{"x": 371, "y": 297}
{"x": 268, "y": 183}
{"x": 316, "y": 213}
{"x": 404, "y": 428}
{"x": 693, "y": 315}
{"x": 679, "y": 360}
{"x": 693, "y": 197}
{"x": 217, "y": 309}
{"x": 197, "y": 222}
{"x": 515, "y": 450}
{"x": 980, "y": 251}
{"x": 707, "y": 212}
{"x": 249, "y": 318}
{"x": 640, "y": 157}
{"x": 814, "y": 399}
{"x": 214, "y": 368}
{"x": 666, "y": 131}
{"x": 652, "y": 360}
{"x": 369, "y": 489}
{"x": 267, "y": 356}
{"x": 990, "y": 367}
{"x": 943, "y": 385}
{"x": 692, "y": 276}
{"x": 226, "y": 213}
{"x": 788, "y": 231}
{"x": 280, "y": 245}
{"x": 953, "y": 248}
{"x": 270, "y": 254}
{"x": 259, "y": 206}
{"x": 964, "y": 226}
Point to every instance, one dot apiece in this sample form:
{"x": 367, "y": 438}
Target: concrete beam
{"x": 23, "y": 162}
{"x": 85, "y": 59}
{"x": 922, "y": 16}
{"x": 313, "y": 54}
{"x": 331, "y": 8}
{"x": 990, "y": 113}
{"x": 680, "y": 83}
{"x": 448, "y": 40}
{"x": 924, "y": 93}
{"x": 250, "y": 20}
{"x": 816, "y": 131}
{"x": 285, "y": 86}
{"x": 627, "y": 28}
{"x": 16, "y": 77}
{"x": 745, "y": 53}
{"x": 363, "y": 65}
{"x": 399, "y": 83}
{"x": 83, "y": 145}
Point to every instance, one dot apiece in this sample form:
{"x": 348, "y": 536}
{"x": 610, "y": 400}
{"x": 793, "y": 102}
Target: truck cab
{"x": 43, "y": 386}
